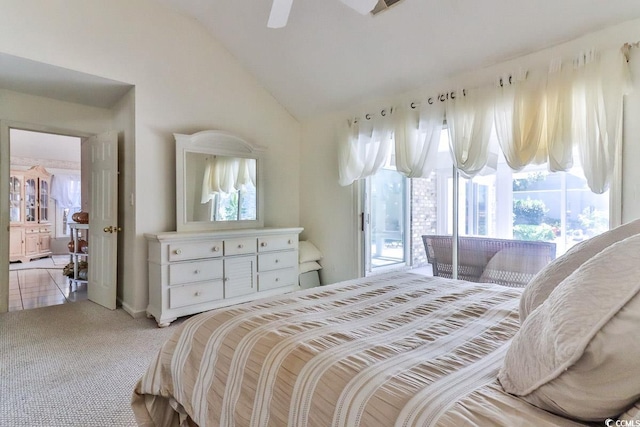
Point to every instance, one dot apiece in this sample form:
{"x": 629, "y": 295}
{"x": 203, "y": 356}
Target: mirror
{"x": 218, "y": 182}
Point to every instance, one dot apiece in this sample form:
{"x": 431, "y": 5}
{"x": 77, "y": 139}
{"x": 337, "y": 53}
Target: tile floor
{"x": 41, "y": 287}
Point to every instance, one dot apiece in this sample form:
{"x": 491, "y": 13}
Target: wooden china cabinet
{"x": 29, "y": 212}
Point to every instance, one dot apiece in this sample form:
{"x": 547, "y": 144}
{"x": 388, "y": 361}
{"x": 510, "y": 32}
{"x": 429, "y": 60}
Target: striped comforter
{"x": 392, "y": 350}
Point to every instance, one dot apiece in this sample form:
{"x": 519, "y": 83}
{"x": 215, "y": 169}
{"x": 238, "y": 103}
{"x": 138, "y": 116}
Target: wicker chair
{"x": 481, "y": 259}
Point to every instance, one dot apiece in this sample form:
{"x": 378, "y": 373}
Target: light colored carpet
{"x": 73, "y": 365}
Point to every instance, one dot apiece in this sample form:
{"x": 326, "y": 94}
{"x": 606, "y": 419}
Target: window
{"x": 532, "y": 204}
{"x": 234, "y": 206}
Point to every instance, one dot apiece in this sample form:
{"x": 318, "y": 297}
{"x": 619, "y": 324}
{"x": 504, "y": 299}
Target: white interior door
{"x": 103, "y": 219}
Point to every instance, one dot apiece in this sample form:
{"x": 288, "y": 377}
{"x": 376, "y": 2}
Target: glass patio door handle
{"x": 112, "y": 229}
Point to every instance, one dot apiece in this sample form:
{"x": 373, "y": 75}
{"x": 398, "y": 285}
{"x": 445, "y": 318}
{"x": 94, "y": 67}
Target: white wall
{"x": 184, "y": 82}
{"x": 328, "y": 211}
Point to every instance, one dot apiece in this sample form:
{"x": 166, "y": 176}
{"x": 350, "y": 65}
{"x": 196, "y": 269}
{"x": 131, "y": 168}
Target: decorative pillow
{"x": 308, "y": 266}
{"x": 308, "y": 252}
{"x": 577, "y": 354}
{"x": 513, "y": 266}
{"x": 557, "y": 270}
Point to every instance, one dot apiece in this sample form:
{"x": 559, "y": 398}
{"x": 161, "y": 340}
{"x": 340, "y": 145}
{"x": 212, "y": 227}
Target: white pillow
{"x": 578, "y": 353}
{"x": 308, "y": 266}
{"x": 559, "y": 269}
{"x": 307, "y": 251}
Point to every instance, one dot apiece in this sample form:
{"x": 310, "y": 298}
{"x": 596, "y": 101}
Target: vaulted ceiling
{"x": 329, "y": 57}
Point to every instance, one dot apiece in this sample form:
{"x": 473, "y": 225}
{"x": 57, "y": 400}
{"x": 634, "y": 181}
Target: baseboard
{"x": 136, "y": 314}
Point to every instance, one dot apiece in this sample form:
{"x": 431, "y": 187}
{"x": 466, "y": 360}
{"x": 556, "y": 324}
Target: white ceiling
{"x": 329, "y": 57}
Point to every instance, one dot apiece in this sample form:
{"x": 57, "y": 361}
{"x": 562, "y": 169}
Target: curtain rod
{"x": 502, "y": 81}
{"x": 442, "y": 97}
{"x": 414, "y": 104}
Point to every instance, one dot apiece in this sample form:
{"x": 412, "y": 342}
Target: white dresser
{"x": 191, "y": 272}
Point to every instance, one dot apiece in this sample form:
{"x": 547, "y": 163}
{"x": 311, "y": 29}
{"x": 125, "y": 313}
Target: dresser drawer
{"x": 198, "y": 271}
{"x": 277, "y": 278}
{"x": 240, "y": 246}
{"x": 277, "y": 243}
{"x": 30, "y": 230}
{"x": 195, "y": 294}
{"x": 276, "y": 260}
{"x": 187, "y": 251}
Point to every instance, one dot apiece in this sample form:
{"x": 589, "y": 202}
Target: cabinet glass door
{"x": 30, "y": 200}
{"x": 44, "y": 201}
{"x": 15, "y": 199}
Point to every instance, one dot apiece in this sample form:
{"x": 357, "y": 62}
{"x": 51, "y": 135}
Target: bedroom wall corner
{"x": 327, "y": 212}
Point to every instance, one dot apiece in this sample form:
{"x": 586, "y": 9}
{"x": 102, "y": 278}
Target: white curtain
{"x": 577, "y": 105}
{"x": 600, "y": 82}
{"x": 365, "y": 145}
{"x": 539, "y": 117}
{"x": 469, "y": 122}
{"x": 417, "y": 135}
{"x": 559, "y": 118}
{"x": 66, "y": 191}
{"x": 519, "y": 120}
{"x": 227, "y": 175}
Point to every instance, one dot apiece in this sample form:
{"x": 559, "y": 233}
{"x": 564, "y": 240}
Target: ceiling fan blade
{"x": 361, "y": 6}
{"x": 279, "y": 13}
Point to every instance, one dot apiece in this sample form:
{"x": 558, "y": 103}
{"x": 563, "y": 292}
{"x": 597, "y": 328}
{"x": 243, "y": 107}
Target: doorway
{"x": 45, "y": 190}
{"x": 101, "y": 154}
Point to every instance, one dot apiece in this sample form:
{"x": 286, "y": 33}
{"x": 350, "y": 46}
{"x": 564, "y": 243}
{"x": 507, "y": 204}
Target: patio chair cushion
{"x": 514, "y": 266}
{"x": 510, "y": 268}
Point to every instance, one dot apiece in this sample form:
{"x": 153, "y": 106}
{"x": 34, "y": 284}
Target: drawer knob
{"x": 277, "y": 279}
{"x": 263, "y": 244}
{"x": 198, "y": 293}
{"x": 240, "y": 246}
{"x": 277, "y": 261}
{"x": 197, "y": 272}
{"x": 216, "y": 249}
{"x": 290, "y": 241}
{"x": 178, "y": 251}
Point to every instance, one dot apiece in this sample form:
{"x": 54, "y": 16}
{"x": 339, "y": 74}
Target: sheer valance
{"x": 227, "y": 175}
{"x": 365, "y": 146}
{"x": 538, "y": 117}
{"x": 417, "y": 135}
{"x": 469, "y": 121}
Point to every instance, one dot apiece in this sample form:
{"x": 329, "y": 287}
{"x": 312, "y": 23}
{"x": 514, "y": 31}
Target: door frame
{"x": 5, "y": 171}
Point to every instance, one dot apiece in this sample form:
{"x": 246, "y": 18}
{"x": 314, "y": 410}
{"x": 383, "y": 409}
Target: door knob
{"x": 112, "y": 229}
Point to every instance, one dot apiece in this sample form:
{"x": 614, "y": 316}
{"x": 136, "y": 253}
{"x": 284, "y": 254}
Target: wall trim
{"x": 47, "y": 163}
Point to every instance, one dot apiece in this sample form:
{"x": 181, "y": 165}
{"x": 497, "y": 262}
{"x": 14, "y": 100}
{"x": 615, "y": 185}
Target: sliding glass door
{"x": 385, "y": 222}
{"x": 532, "y": 204}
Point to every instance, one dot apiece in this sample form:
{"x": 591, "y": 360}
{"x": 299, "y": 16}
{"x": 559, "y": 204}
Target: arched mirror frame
{"x": 214, "y": 142}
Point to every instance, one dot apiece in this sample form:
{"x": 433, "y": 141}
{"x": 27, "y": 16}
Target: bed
{"x": 397, "y": 349}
